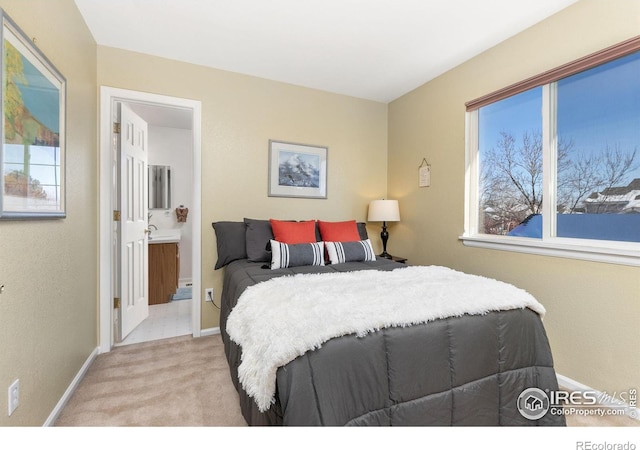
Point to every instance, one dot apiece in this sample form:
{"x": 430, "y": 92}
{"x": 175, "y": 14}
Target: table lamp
{"x": 384, "y": 211}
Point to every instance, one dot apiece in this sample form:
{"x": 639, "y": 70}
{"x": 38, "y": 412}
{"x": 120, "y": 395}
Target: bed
{"x": 446, "y": 368}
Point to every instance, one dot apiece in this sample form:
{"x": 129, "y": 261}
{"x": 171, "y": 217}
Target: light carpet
{"x": 176, "y": 382}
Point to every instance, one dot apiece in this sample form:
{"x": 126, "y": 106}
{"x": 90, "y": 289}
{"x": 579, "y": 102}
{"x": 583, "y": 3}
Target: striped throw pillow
{"x": 294, "y": 255}
{"x": 341, "y": 252}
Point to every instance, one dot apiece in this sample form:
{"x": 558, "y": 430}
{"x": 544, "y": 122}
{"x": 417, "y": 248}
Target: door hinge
{"x": 116, "y": 302}
{"x": 116, "y": 128}
{"x": 116, "y": 216}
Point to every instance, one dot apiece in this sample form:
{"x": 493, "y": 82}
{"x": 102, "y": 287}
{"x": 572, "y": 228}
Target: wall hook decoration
{"x": 424, "y": 170}
{"x": 181, "y": 213}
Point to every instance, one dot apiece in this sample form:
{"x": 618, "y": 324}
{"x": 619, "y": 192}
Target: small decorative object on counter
{"x": 181, "y": 213}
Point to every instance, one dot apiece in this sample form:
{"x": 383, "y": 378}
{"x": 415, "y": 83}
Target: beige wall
{"x": 239, "y": 116}
{"x": 48, "y": 311}
{"x": 593, "y": 308}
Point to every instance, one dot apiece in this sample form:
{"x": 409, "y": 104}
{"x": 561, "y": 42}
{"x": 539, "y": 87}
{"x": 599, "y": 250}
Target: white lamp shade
{"x": 384, "y": 211}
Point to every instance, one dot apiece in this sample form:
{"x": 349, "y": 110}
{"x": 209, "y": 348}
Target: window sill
{"x": 608, "y": 252}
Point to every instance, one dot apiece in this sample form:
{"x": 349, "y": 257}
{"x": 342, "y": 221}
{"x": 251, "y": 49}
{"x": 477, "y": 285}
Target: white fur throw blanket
{"x": 280, "y": 319}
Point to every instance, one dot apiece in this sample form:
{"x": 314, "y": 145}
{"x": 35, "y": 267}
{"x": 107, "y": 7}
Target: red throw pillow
{"x": 339, "y": 231}
{"x": 294, "y": 232}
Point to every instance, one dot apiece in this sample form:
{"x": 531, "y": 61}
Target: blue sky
{"x": 608, "y": 115}
{"x": 41, "y": 97}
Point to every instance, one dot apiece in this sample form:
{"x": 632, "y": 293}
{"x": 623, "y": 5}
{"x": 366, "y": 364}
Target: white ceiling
{"x": 164, "y": 116}
{"x": 371, "y": 49}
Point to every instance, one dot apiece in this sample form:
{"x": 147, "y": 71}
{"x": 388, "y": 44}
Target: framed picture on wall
{"x": 297, "y": 170}
{"x": 32, "y": 158}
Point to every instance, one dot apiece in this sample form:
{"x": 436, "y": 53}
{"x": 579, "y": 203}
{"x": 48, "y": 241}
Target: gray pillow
{"x": 230, "y": 241}
{"x": 362, "y": 231}
{"x": 341, "y": 252}
{"x": 295, "y": 255}
{"x": 258, "y": 235}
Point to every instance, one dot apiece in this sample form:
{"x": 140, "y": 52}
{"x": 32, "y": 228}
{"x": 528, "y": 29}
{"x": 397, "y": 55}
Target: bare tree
{"x": 511, "y": 181}
{"x": 617, "y": 165}
{"x": 511, "y": 178}
{"x": 579, "y": 179}
{"x": 517, "y": 167}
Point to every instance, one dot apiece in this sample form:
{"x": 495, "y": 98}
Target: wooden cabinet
{"x": 164, "y": 271}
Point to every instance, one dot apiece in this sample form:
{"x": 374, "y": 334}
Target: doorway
{"x": 160, "y": 110}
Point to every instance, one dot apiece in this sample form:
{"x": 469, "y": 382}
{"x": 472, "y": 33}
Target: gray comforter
{"x": 466, "y": 370}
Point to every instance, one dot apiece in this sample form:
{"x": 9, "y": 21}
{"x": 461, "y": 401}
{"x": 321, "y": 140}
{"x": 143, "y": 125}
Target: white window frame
{"x": 616, "y": 252}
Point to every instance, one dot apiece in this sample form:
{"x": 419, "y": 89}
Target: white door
{"x": 134, "y": 268}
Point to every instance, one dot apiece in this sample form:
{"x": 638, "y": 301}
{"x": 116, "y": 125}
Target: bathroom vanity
{"x": 164, "y": 265}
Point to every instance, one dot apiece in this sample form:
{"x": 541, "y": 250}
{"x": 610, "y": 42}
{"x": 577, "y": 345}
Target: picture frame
{"x": 297, "y": 170}
{"x": 32, "y": 156}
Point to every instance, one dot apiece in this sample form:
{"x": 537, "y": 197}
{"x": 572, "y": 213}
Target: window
{"x": 510, "y": 162}
{"x": 32, "y": 171}
{"x": 553, "y": 163}
{"x": 598, "y": 169}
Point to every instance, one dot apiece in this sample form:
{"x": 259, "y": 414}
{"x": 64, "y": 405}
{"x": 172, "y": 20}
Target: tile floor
{"x": 164, "y": 321}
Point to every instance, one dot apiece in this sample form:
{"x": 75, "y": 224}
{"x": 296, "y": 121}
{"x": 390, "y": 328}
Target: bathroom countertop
{"x": 164, "y": 236}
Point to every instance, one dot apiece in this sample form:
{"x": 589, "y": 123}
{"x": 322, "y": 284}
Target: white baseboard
{"x": 71, "y": 389}
{"x": 606, "y": 400}
{"x": 210, "y": 331}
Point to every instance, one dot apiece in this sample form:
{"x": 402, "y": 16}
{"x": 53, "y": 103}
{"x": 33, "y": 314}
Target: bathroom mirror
{"x": 159, "y": 187}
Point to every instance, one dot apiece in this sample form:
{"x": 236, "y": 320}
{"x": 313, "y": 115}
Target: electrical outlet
{"x": 208, "y": 295}
{"x": 14, "y": 396}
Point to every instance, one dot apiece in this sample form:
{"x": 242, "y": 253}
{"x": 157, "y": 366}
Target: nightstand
{"x": 399, "y": 259}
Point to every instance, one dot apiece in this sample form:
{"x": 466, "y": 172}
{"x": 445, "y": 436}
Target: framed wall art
{"x": 32, "y": 157}
{"x": 297, "y": 170}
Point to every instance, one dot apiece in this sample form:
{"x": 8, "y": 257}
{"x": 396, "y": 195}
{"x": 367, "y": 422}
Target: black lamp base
{"x": 384, "y": 235}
